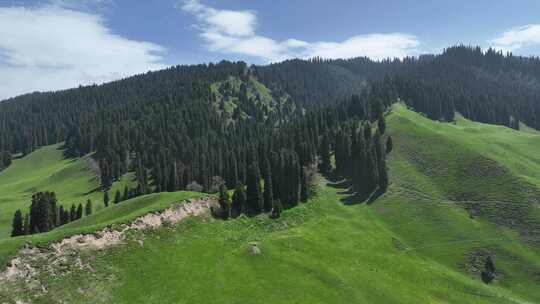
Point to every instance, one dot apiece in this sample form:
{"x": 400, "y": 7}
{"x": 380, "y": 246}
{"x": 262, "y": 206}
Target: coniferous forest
{"x": 205, "y": 127}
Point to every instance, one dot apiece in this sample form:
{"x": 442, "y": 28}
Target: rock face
{"x": 61, "y": 253}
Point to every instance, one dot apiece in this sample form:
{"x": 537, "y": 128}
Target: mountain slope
{"x": 424, "y": 241}
{"x": 46, "y": 169}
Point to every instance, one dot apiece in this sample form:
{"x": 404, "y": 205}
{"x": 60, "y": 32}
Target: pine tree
{"x": 325, "y": 165}
{"x": 117, "y": 197}
{"x": 255, "y": 201}
{"x": 381, "y": 125}
{"x": 106, "y": 198}
{"x": 268, "y": 190}
{"x": 225, "y": 202}
{"x": 268, "y": 194}
{"x": 79, "y": 211}
{"x": 389, "y": 144}
{"x": 17, "y": 226}
{"x": 125, "y": 197}
{"x": 73, "y": 213}
{"x": 239, "y": 200}
{"x": 488, "y": 274}
{"x": 66, "y": 217}
{"x": 88, "y": 208}
{"x": 43, "y": 212}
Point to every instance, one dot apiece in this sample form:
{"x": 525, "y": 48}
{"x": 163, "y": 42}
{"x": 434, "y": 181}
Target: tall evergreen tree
{"x": 17, "y": 225}
{"x": 106, "y": 199}
{"x": 389, "y": 144}
{"x": 43, "y": 212}
{"x": 79, "y": 211}
{"x": 268, "y": 196}
{"x": 381, "y": 125}
{"x": 268, "y": 189}
{"x": 225, "y": 202}
{"x": 239, "y": 200}
{"x": 325, "y": 165}
{"x": 117, "y": 197}
{"x": 73, "y": 213}
{"x": 255, "y": 201}
{"x": 125, "y": 197}
{"x": 88, "y": 208}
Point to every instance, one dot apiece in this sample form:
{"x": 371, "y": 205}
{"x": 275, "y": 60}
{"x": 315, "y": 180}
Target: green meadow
{"x": 459, "y": 192}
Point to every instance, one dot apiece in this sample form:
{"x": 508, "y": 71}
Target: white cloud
{"x": 234, "y": 32}
{"x": 52, "y": 47}
{"x": 517, "y": 38}
{"x": 376, "y": 46}
{"x": 233, "y": 23}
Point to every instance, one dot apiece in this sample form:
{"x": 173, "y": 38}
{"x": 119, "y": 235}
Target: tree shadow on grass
{"x": 362, "y": 198}
{"x": 352, "y": 197}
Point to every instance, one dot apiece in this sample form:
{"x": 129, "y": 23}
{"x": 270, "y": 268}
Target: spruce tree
{"x": 106, "y": 198}
{"x": 239, "y": 200}
{"x": 17, "y": 225}
{"x": 88, "y": 208}
{"x": 389, "y": 144}
{"x": 488, "y": 274}
{"x": 325, "y": 165}
{"x": 381, "y": 125}
{"x": 268, "y": 194}
{"x": 125, "y": 197}
{"x": 43, "y": 212}
{"x": 79, "y": 211}
{"x": 73, "y": 213}
{"x": 225, "y": 202}
{"x": 117, "y": 197}
{"x": 268, "y": 190}
{"x": 255, "y": 201}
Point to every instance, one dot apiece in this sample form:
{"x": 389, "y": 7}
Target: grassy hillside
{"x": 73, "y": 180}
{"x": 124, "y": 212}
{"x": 459, "y": 192}
{"x": 227, "y": 100}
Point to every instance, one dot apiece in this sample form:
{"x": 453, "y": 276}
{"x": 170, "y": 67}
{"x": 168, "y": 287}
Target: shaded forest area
{"x": 164, "y": 125}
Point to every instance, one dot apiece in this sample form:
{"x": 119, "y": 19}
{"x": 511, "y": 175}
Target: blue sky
{"x": 58, "y": 44}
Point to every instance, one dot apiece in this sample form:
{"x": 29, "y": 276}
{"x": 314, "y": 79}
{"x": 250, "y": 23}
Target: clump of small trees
{"x": 45, "y": 214}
